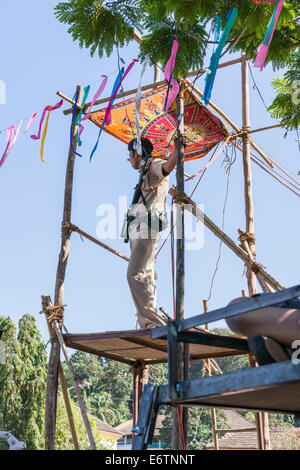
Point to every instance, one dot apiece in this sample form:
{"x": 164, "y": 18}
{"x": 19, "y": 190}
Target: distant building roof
{"x": 125, "y": 428}
{"x": 107, "y": 431}
{"x": 279, "y": 437}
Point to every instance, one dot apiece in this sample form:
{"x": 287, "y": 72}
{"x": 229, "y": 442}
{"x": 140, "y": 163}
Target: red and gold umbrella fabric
{"x": 202, "y": 129}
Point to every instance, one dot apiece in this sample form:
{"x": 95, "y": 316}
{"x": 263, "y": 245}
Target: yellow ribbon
{"x": 48, "y": 108}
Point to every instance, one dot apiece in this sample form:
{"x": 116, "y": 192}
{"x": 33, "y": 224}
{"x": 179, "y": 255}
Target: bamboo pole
{"x": 191, "y": 206}
{"x": 179, "y": 308}
{"x": 212, "y": 410}
{"x": 263, "y": 284}
{"x": 262, "y": 418}
{"x": 249, "y": 208}
{"x": 46, "y": 302}
{"x": 53, "y": 365}
{"x": 68, "y": 407}
{"x": 57, "y": 330}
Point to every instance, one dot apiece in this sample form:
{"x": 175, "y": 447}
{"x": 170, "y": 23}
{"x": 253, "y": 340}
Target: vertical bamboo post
{"x": 76, "y": 386}
{"x": 53, "y": 364}
{"x": 179, "y": 259}
{"x": 212, "y": 410}
{"x": 249, "y": 210}
{"x": 46, "y": 301}
{"x": 68, "y": 407}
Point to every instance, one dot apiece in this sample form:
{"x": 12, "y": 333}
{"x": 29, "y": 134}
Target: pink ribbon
{"x": 47, "y": 108}
{"x": 263, "y": 48}
{"x": 258, "y": 2}
{"x": 9, "y": 135}
{"x": 30, "y": 122}
{"x": 168, "y": 72}
{"x": 98, "y": 93}
{"x": 107, "y": 117}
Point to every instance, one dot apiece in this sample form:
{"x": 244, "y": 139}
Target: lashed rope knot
{"x": 180, "y": 197}
{"x": 247, "y": 237}
{"x": 55, "y": 313}
{"x": 256, "y": 267}
{"x": 67, "y": 228}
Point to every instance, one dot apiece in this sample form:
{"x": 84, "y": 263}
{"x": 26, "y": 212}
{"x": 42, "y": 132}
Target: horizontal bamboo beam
{"x": 257, "y": 130}
{"x": 73, "y": 228}
{"x": 189, "y": 205}
{"x": 144, "y": 88}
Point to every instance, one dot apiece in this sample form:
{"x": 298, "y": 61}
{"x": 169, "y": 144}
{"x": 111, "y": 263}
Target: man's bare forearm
{"x": 170, "y": 164}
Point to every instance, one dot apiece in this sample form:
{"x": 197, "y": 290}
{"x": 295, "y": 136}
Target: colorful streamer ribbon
{"x": 107, "y": 116}
{"x": 215, "y": 58}
{"x": 71, "y": 129}
{"x": 10, "y": 133}
{"x": 217, "y": 30}
{"x": 98, "y": 93}
{"x": 44, "y": 134}
{"x": 172, "y": 83}
{"x": 58, "y": 105}
{"x": 112, "y": 99}
{"x": 264, "y": 46}
{"x": 138, "y": 107}
{"x": 81, "y": 128}
{"x": 30, "y": 122}
{"x": 259, "y": 2}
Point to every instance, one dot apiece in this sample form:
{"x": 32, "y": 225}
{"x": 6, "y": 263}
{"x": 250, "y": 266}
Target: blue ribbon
{"x": 116, "y": 85}
{"x": 215, "y": 58}
{"x": 71, "y": 131}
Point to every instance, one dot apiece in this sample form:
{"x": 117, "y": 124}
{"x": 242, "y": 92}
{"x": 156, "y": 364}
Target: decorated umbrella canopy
{"x": 202, "y": 129}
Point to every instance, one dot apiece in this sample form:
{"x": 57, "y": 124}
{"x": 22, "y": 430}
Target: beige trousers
{"x": 140, "y": 277}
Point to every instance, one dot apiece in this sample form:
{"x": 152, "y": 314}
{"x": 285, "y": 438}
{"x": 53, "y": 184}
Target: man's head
{"x": 136, "y": 159}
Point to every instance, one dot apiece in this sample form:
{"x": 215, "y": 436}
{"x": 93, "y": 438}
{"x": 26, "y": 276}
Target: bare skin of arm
{"x": 281, "y": 324}
{"x": 170, "y": 164}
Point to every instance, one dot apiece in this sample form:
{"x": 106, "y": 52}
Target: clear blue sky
{"x": 38, "y": 58}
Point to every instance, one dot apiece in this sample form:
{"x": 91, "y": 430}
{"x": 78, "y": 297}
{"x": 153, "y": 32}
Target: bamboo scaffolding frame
{"x": 192, "y": 207}
{"x": 245, "y": 254}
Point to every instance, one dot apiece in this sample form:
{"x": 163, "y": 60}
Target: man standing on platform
{"x": 146, "y": 218}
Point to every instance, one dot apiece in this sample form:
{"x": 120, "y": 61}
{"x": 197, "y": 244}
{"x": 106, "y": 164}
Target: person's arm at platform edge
{"x": 170, "y": 164}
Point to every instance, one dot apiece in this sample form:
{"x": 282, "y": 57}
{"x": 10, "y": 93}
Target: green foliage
{"x": 95, "y": 26}
{"x": 23, "y": 381}
{"x": 106, "y": 387}
{"x": 63, "y": 438}
{"x": 99, "y": 25}
{"x": 256, "y": 18}
{"x": 286, "y": 105}
{"x": 199, "y": 428}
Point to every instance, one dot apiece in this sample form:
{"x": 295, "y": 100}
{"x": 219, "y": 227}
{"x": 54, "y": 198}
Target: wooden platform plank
{"x": 131, "y": 345}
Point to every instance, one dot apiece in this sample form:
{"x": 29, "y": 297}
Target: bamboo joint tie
{"x": 256, "y": 267}
{"x": 247, "y": 237}
{"x": 67, "y": 228}
{"x": 55, "y": 313}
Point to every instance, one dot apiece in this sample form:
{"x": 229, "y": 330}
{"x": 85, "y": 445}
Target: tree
{"x": 199, "y": 430}
{"x": 23, "y": 381}
{"x": 63, "y": 437}
{"x": 286, "y": 104}
{"x": 106, "y": 386}
{"x": 100, "y": 25}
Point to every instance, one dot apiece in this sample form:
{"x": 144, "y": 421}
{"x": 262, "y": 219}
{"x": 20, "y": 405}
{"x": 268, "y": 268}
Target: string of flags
{"x": 13, "y": 132}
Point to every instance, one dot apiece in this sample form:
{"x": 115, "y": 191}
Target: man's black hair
{"x": 147, "y": 146}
